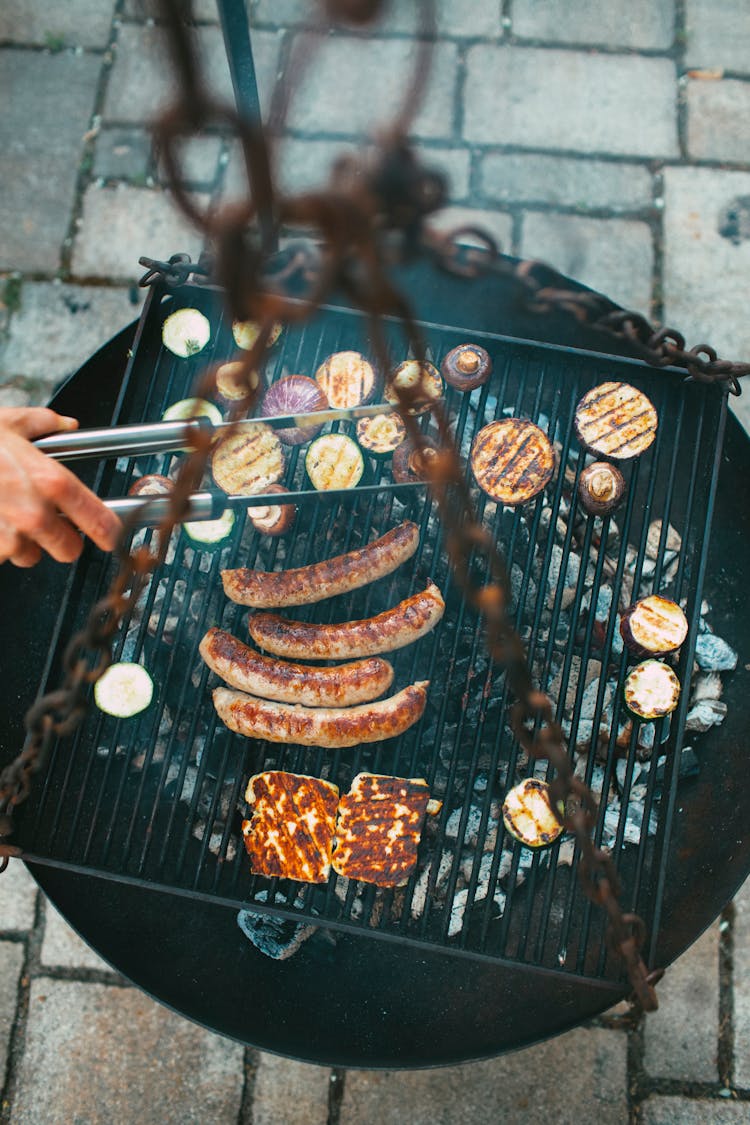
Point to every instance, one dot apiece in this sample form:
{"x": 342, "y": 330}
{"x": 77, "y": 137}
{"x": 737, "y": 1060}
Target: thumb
{"x": 35, "y": 421}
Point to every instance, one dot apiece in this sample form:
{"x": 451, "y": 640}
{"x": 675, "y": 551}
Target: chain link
{"x": 371, "y": 214}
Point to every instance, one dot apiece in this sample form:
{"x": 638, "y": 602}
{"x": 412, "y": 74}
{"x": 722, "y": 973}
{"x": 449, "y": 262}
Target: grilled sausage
{"x": 243, "y": 668}
{"x": 396, "y": 628}
{"x": 329, "y": 727}
{"x": 307, "y": 584}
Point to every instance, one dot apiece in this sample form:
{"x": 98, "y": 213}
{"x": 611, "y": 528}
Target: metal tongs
{"x": 143, "y": 439}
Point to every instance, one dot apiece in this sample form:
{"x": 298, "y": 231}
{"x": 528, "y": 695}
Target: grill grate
{"x": 154, "y": 800}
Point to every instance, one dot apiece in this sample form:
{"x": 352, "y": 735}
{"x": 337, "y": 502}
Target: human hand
{"x": 35, "y": 489}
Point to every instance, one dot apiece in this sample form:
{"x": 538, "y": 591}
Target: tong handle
{"x": 125, "y": 441}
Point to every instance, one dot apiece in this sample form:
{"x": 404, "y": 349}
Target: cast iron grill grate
{"x": 155, "y": 800}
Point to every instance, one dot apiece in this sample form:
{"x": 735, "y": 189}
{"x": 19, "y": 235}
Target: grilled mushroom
{"x": 423, "y": 381}
{"x": 246, "y": 332}
{"x": 410, "y": 463}
{"x": 512, "y": 460}
{"x": 601, "y": 488}
{"x": 651, "y": 690}
{"x": 616, "y": 420}
{"x": 654, "y": 626}
{"x": 381, "y": 434}
{"x": 276, "y": 519}
{"x": 152, "y": 484}
{"x": 466, "y": 367}
{"x": 232, "y": 382}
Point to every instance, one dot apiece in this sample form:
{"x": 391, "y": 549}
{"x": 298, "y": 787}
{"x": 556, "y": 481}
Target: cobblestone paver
{"x": 609, "y": 139}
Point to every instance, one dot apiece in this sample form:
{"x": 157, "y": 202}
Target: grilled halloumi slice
{"x": 528, "y": 814}
{"x": 379, "y": 828}
{"x": 512, "y": 460}
{"x": 616, "y": 420}
{"x": 290, "y": 832}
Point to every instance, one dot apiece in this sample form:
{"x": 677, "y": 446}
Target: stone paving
{"x": 611, "y": 140}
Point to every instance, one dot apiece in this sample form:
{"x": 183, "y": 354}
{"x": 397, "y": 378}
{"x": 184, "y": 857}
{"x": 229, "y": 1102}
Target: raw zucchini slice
{"x": 186, "y": 332}
{"x": 125, "y": 689}
{"x": 209, "y": 533}
{"x": 334, "y": 461}
{"x": 528, "y": 814}
{"x": 188, "y": 408}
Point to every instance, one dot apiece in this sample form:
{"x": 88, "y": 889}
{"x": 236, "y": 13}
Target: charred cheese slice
{"x": 379, "y": 828}
{"x": 616, "y": 420}
{"x": 290, "y": 832}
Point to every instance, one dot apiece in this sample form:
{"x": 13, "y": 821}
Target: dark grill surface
{"x": 158, "y": 799}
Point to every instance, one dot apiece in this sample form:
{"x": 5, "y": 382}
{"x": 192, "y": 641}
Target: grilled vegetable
{"x": 601, "y": 487}
{"x": 153, "y": 484}
{"x": 651, "y": 690}
{"x": 346, "y": 379}
{"x": 512, "y": 460}
{"x": 654, "y": 626}
{"x": 410, "y": 464}
{"x": 422, "y": 380}
{"x": 248, "y": 460}
{"x": 246, "y": 332}
{"x": 186, "y": 332}
{"x": 210, "y": 533}
{"x": 381, "y": 434}
{"x": 124, "y": 690}
{"x": 276, "y": 519}
{"x": 528, "y": 814}
{"x": 334, "y": 461}
{"x": 616, "y": 420}
{"x": 232, "y": 382}
{"x": 294, "y": 394}
{"x": 466, "y": 367}
{"x": 188, "y": 408}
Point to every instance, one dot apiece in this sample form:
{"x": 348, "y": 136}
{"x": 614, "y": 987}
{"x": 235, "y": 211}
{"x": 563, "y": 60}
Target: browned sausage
{"x": 318, "y": 581}
{"x": 330, "y": 727}
{"x": 243, "y": 668}
{"x": 396, "y": 628}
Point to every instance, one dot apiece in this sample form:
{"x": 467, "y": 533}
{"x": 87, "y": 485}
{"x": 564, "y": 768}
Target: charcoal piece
{"x": 714, "y": 654}
{"x": 689, "y": 765}
{"x": 706, "y": 685}
{"x": 279, "y": 938}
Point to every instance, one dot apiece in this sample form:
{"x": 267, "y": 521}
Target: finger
{"x": 38, "y": 520}
{"x": 81, "y": 506}
{"x": 35, "y": 421}
{"x": 26, "y": 553}
{"x": 9, "y": 543}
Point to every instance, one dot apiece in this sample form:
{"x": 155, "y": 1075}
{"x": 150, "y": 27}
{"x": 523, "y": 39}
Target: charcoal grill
{"x": 110, "y": 802}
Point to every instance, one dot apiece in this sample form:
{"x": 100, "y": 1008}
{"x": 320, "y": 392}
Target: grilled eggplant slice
{"x": 601, "y": 487}
{"x": 248, "y": 460}
{"x": 334, "y": 461}
{"x": 528, "y": 814}
{"x": 512, "y": 460}
{"x": 246, "y": 332}
{"x": 276, "y": 519}
{"x": 654, "y": 626}
{"x": 466, "y": 367}
{"x": 651, "y": 690}
{"x": 186, "y": 332}
{"x": 347, "y": 380}
{"x": 381, "y": 434}
{"x": 423, "y": 381}
{"x": 616, "y": 420}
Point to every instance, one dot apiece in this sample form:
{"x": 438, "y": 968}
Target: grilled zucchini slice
{"x": 654, "y": 626}
{"x": 528, "y": 814}
{"x": 188, "y": 408}
{"x": 210, "y": 533}
{"x": 616, "y": 420}
{"x": 248, "y": 460}
{"x": 334, "y": 461}
{"x": 512, "y": 460}
{"x": 651, "y": 690}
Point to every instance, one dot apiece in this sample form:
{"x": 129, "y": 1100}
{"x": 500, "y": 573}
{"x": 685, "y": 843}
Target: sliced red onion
{"x": 294, "y": 394}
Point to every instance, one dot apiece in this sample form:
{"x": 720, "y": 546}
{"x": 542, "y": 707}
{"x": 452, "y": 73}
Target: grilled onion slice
{"x": 528, "y": 814}
{"x": 654, "y": 626}
{"x": 616, "y": 420}
{"x": 651, "y": 690}
{"x": 512, "y": 460}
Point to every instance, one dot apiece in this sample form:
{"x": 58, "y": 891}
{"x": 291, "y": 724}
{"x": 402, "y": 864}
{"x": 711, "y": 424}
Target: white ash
{"x": 705, "y": 714}
{"x": 714, "y": 654}
{"x": 215, "y": 840}
{"x": 706, "y": 685}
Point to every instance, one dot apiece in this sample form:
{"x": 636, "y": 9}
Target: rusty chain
{"x": 371, "y": 214}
